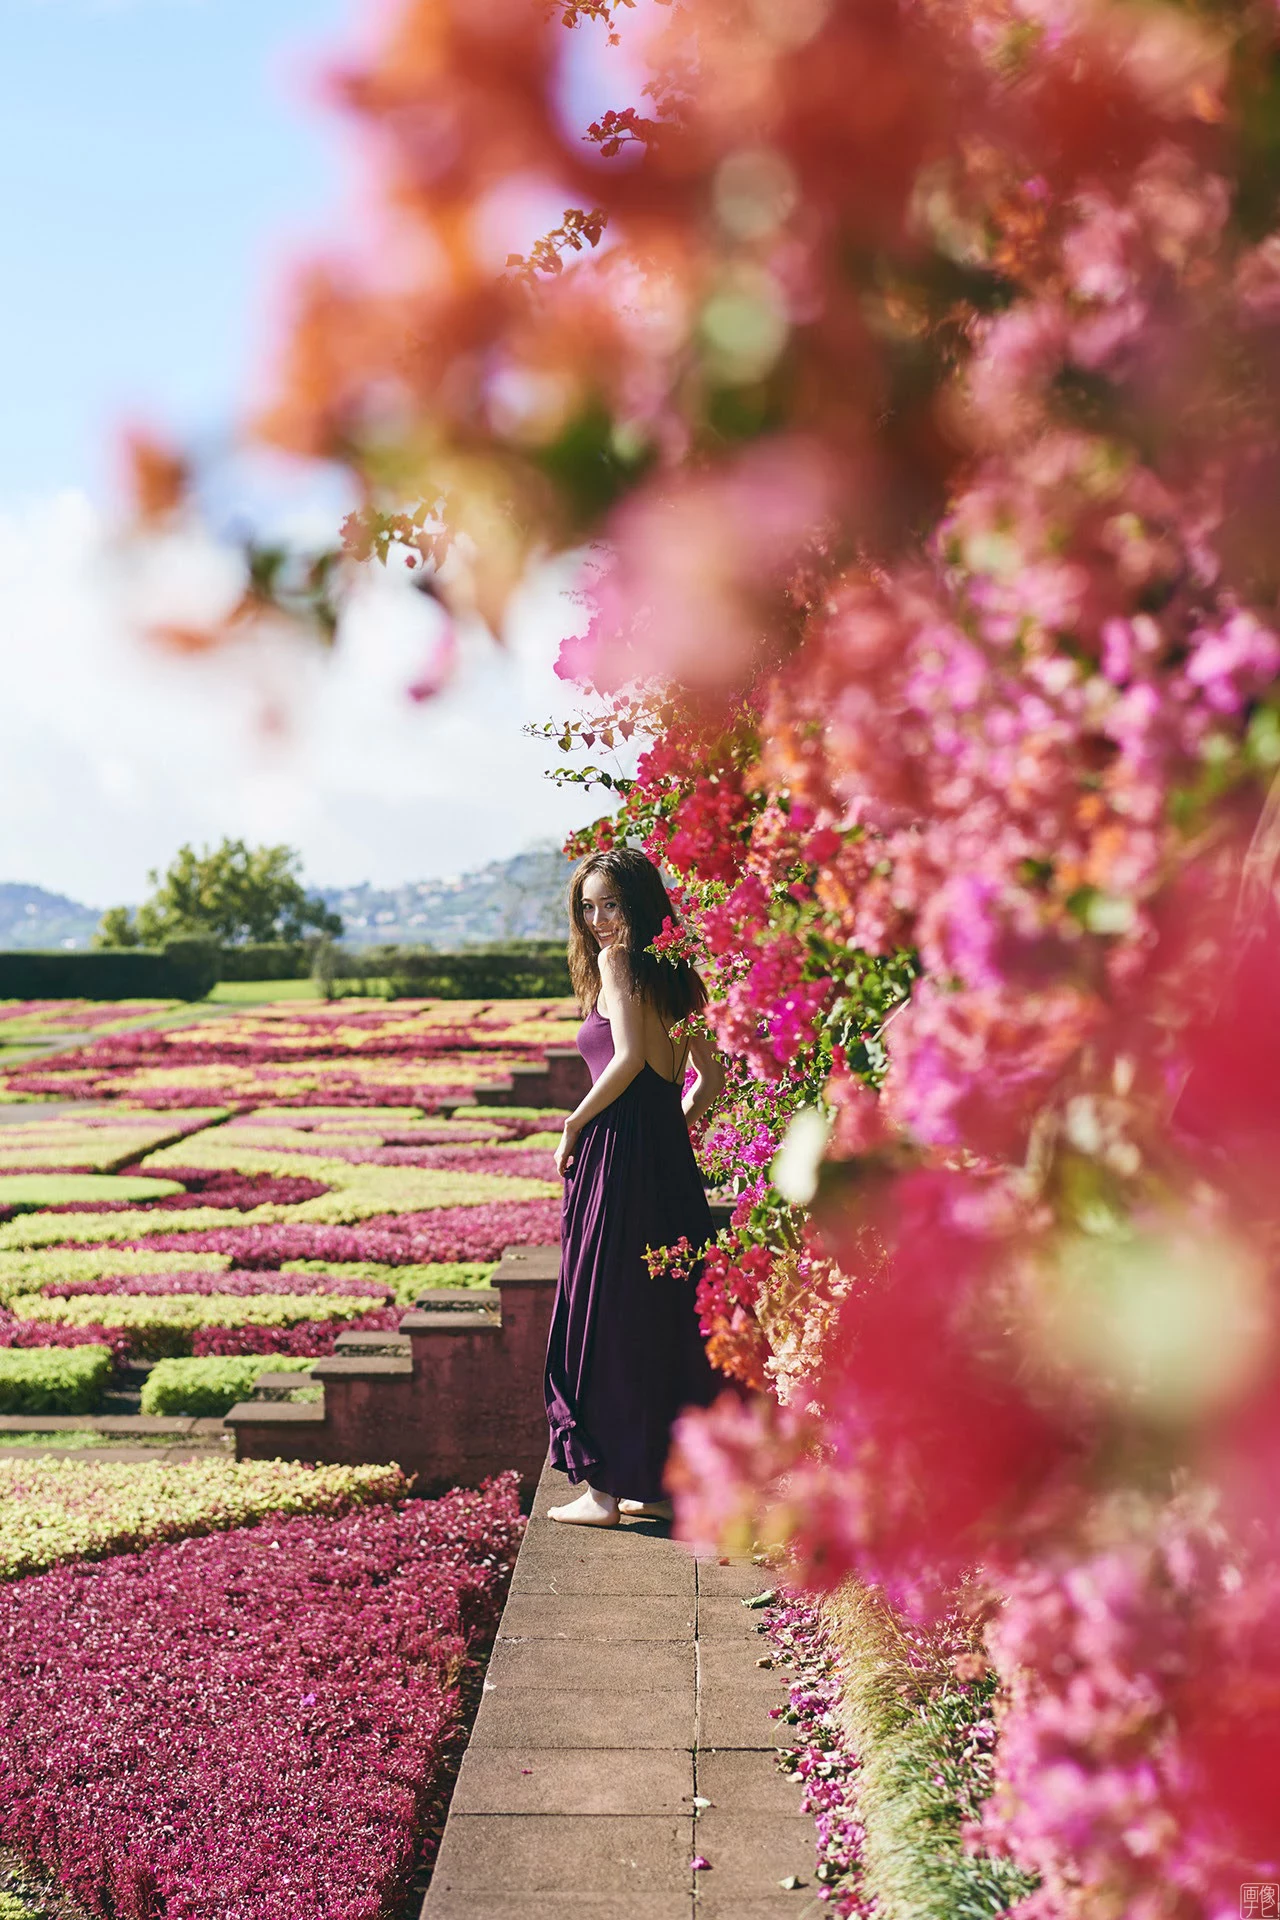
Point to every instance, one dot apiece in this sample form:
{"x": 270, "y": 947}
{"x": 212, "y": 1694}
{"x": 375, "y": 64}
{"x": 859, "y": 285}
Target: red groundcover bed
{"x": 251, "y": 1726}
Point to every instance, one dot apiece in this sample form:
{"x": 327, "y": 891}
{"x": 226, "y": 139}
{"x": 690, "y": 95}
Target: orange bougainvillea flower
{"x": 157, "y": 476}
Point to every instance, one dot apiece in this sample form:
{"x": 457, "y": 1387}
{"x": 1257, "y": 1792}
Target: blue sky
{"x": 161, "y": 164}
{"x": 160, "y": 161}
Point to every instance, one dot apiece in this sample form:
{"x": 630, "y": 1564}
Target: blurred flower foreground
{"x": 910, "y": 372}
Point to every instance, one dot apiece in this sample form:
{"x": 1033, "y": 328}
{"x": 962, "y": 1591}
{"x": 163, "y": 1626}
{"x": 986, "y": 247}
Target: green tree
{"x": 117, "y": 929}
{"x": 232, "y": 893}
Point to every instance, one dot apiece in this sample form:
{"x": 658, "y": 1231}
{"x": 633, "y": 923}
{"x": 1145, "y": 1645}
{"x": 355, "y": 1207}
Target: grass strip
{"x": 924, "y": 1738}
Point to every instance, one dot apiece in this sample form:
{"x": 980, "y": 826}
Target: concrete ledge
{"x": 172, "y": 1453}
{"x": 526, "y": 1263}
{"x": 271, "y": 1386}
{"x": 419, "y": 1322}
{"x": 453, "y": 1300}
{"x": 275, "y": 1413}
{"x": 123, "y": 1424}
{"x": 361, "y": 1366}
{"x": 354, "y": 1343}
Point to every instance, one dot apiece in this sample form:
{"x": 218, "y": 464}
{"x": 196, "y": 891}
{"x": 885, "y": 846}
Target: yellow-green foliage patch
{"x": 404, "y": 1283}
{"x": 56, "y": 1510}
{"x": 358, "y": 1193}
{"x": 31, "y": 1191}
{"x": 32, "y": 1271}
{"x": 98, "y": 1137}
{"x": 53, "y": 1379}
{"x": 34, "y": 1230}
{"x": 160, "y": 1326}
{"x": 211, "y": 1386}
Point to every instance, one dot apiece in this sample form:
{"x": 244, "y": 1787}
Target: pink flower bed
{"x": 448, "y": 1233}
{"x": 245, "y": 1283}
{"x": 344, "y": 1089}
{"x": 42, "y": 1333}
{"x": 239, "y": 1191}
{"x": 305, "y": 1340}
{"x": 531, "y": 1163}
{"x": 228, "y": 1733}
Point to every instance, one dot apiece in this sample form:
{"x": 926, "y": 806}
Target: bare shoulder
{"x": 615, "y": 971}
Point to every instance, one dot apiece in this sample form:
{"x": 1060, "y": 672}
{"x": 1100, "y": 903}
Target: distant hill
{"x": 32, "y": 917}
{"x": 518, "y": 899}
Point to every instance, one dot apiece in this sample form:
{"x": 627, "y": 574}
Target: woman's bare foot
{"x": 590, "y": 1509}
{"x": 647, "y": 1509}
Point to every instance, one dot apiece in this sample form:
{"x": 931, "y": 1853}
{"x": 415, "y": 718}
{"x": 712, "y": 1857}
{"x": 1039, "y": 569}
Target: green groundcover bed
{"x": 28, "y": 1192}
{"x": 53, "y": 1379}
{"x": 209, "y": 1387}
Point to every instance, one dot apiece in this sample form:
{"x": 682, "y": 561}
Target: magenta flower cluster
{"x": 257, "y": 1725}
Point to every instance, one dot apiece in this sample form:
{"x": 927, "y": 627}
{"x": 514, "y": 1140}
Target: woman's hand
{"x": 567, "y": 1150}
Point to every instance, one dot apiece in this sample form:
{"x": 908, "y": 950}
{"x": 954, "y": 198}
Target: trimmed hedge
{"x": 184, "y": 970}
{"x": 53, "y": 1379}
{"x": 538, "y": 970}
{"x": 209, "y": 1387}
{"x": 265, "y": 960}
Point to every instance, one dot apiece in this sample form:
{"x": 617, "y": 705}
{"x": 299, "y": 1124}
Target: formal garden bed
{"x": 275, "y": 1647}
{"x": 206, "y": 1198}
{"x": 236, "y": 1689}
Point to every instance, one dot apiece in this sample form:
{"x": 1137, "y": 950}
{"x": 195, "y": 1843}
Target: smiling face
{"x": 602, "y": 910}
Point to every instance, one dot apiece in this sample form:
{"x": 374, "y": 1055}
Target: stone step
{"x": 458, "y": 1300}
{"x": 526, "y": 1263}
{"x": 278, "y": 1386}
{"x": 421, "y": 1321}
{"x": 123, "y": 1426}
{"x": 285, "y": 1417}
{"x": 372, "y": 1366}
{"x": 351, "y": 1344}
{"x": 454, "y": 1396}
{"x": 524, "y": 1086}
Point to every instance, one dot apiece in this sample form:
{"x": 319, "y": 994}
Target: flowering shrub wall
{"x": 925, "y": 407}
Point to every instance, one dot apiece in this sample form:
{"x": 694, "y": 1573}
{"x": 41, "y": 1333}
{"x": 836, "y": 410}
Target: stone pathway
{"x": 624, "y": 1684}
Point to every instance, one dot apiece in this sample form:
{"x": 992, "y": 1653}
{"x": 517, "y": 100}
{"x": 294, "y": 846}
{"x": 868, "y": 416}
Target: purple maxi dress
{"x": 625, "y": 1354}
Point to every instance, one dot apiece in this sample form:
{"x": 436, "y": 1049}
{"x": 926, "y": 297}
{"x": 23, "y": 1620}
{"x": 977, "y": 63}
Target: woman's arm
{"x": 626, "y": 1017}
{"x": 709, "y": 1085}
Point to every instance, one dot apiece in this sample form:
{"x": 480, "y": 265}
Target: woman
{"x": 625, "y": 1354}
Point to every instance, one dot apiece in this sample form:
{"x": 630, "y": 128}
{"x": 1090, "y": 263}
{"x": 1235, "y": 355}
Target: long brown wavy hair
{"x": 673, "y": 987}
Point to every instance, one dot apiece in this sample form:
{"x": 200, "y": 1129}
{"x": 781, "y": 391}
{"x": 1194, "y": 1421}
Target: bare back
{"x": 666, "y": 1056}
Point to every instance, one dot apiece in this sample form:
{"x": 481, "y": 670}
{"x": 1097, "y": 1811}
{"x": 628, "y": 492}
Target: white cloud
{"x": 111, "y": 754}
